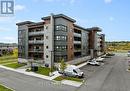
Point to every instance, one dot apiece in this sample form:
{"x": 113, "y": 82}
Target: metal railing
{"x": 77, "y": 42}
{"x": 77, "y": 34}
{"x": 36, "y": 41}
{"x": 36, "y": 50}
{"x": 36, "y": 33}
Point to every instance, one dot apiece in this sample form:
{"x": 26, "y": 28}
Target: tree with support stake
{"x": 63, "y": 65}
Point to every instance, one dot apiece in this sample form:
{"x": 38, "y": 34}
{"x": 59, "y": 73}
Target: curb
{"x": 49, "y": 79}
{"x": 72, "y": 83}
{"x": 7, "y": 87}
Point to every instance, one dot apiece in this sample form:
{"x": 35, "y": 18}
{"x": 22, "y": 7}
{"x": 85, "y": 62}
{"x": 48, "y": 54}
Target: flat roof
{"x": 75, "y": 25}
{"x": 23, "y": 23}
{"x": 95, "y": 29}
{"x": 37, "y": 23}
{"x": 59, "y": 15}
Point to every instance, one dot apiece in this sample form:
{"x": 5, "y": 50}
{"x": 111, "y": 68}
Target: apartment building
{"x": 96, "y": 41}
{"x": 56, "y": 37}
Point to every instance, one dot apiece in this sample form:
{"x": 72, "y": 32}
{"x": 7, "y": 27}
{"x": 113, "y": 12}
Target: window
{"x": 46, "y": 37}
{"x": 60, "y": 37}
{"x": 46, "y": 27}
{"x": 46, "y": 56}
{"x": 59, "y": 58}
{"x": 20, "y": 32}
{"x": 46, "y": 47}
{"x": 74, "y": 71}
{"x": 61, "y": 28}
{"x": 60, "y": 48}
{"x": 57, "y": 37}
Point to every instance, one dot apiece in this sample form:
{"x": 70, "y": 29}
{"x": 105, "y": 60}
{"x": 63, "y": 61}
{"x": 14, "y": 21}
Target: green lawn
{"x": 43, "y": 71}
{"x": 7, "y": 57}
{"x": 2, "y": 88}
{"x": 10, "y": 61}
{"x": 60, "y": 78}
{"x": 15, "y": 65}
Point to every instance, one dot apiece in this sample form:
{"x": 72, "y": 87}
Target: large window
{"x": 60, "y": 37}
{"x": 60, "y": 48}
{"x": 58, "y": 58}
{"x": 61, "y": 28}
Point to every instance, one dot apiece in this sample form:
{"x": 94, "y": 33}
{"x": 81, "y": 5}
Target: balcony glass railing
{"x": 35, "y": 50}
{"x": 77, "y": 42}
{"x": 77, "y": 49}
{"x": 36, "y": 33}
{"x": 36, "y": 41}
{"x": 77, "y": 34}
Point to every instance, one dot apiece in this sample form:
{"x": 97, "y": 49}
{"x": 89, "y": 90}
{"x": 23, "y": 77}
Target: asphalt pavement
{"x": 111, "y": 76}
{"x": 21, "y": 82}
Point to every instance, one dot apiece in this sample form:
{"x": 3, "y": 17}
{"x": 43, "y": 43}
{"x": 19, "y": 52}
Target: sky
{"x": 112, "y": 16}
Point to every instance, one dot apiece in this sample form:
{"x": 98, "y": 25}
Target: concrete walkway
{"x": 23, "y": 71}
{"x": 56, "y": 74}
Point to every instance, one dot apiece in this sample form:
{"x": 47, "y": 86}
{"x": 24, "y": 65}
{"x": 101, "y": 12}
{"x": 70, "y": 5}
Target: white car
{"x": 73, "y": 71}
{"x": 93, "y": 62}
{"x": 128, "y": 54}
{"x": 99, "y": 59}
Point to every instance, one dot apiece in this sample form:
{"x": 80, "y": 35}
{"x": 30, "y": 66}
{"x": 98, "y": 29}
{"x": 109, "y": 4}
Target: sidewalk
{"x": 56, "y": 74}
{"x": 23, "y": 71}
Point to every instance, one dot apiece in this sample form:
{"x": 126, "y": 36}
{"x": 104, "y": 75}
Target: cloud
{"x": 107, "y": 1}
{"x": 19, "y": 7}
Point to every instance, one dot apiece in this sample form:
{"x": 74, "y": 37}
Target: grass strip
{"x": 3, "y": 88}
{"x": 14, "y": 65}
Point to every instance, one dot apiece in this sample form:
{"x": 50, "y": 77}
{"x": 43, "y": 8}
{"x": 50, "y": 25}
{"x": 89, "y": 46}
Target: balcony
{"x": 36, "y": 41}
{"x": 77, "y": 50}
{"x": 77, "y": 34}
{"x": 36, "y": 33}
{"x": 36, "y": 50}
{"x": 77, "y": 42}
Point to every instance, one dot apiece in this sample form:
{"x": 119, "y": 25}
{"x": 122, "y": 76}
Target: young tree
{"x": 63, "y": 65}
{"x": 15, "y": 52}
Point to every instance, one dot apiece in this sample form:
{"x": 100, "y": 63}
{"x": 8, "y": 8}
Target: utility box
{"x": 34, "y": 67}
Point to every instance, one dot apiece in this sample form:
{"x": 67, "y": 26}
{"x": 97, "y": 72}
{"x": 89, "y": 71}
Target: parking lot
{"x": 89, "y": 70}
{"x": 112, "y": 76}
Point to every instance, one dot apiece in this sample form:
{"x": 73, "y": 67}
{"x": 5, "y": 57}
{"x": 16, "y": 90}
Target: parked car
{"x": 93, "y": 62}
{"x": 73, "y": 71}
{"x": 110, "y": 54}
{"x": 128, "y": 54}
{"x": 106, "y": 56}
{"x": 129, "y": 63}
{"x": 99, "y": 59}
